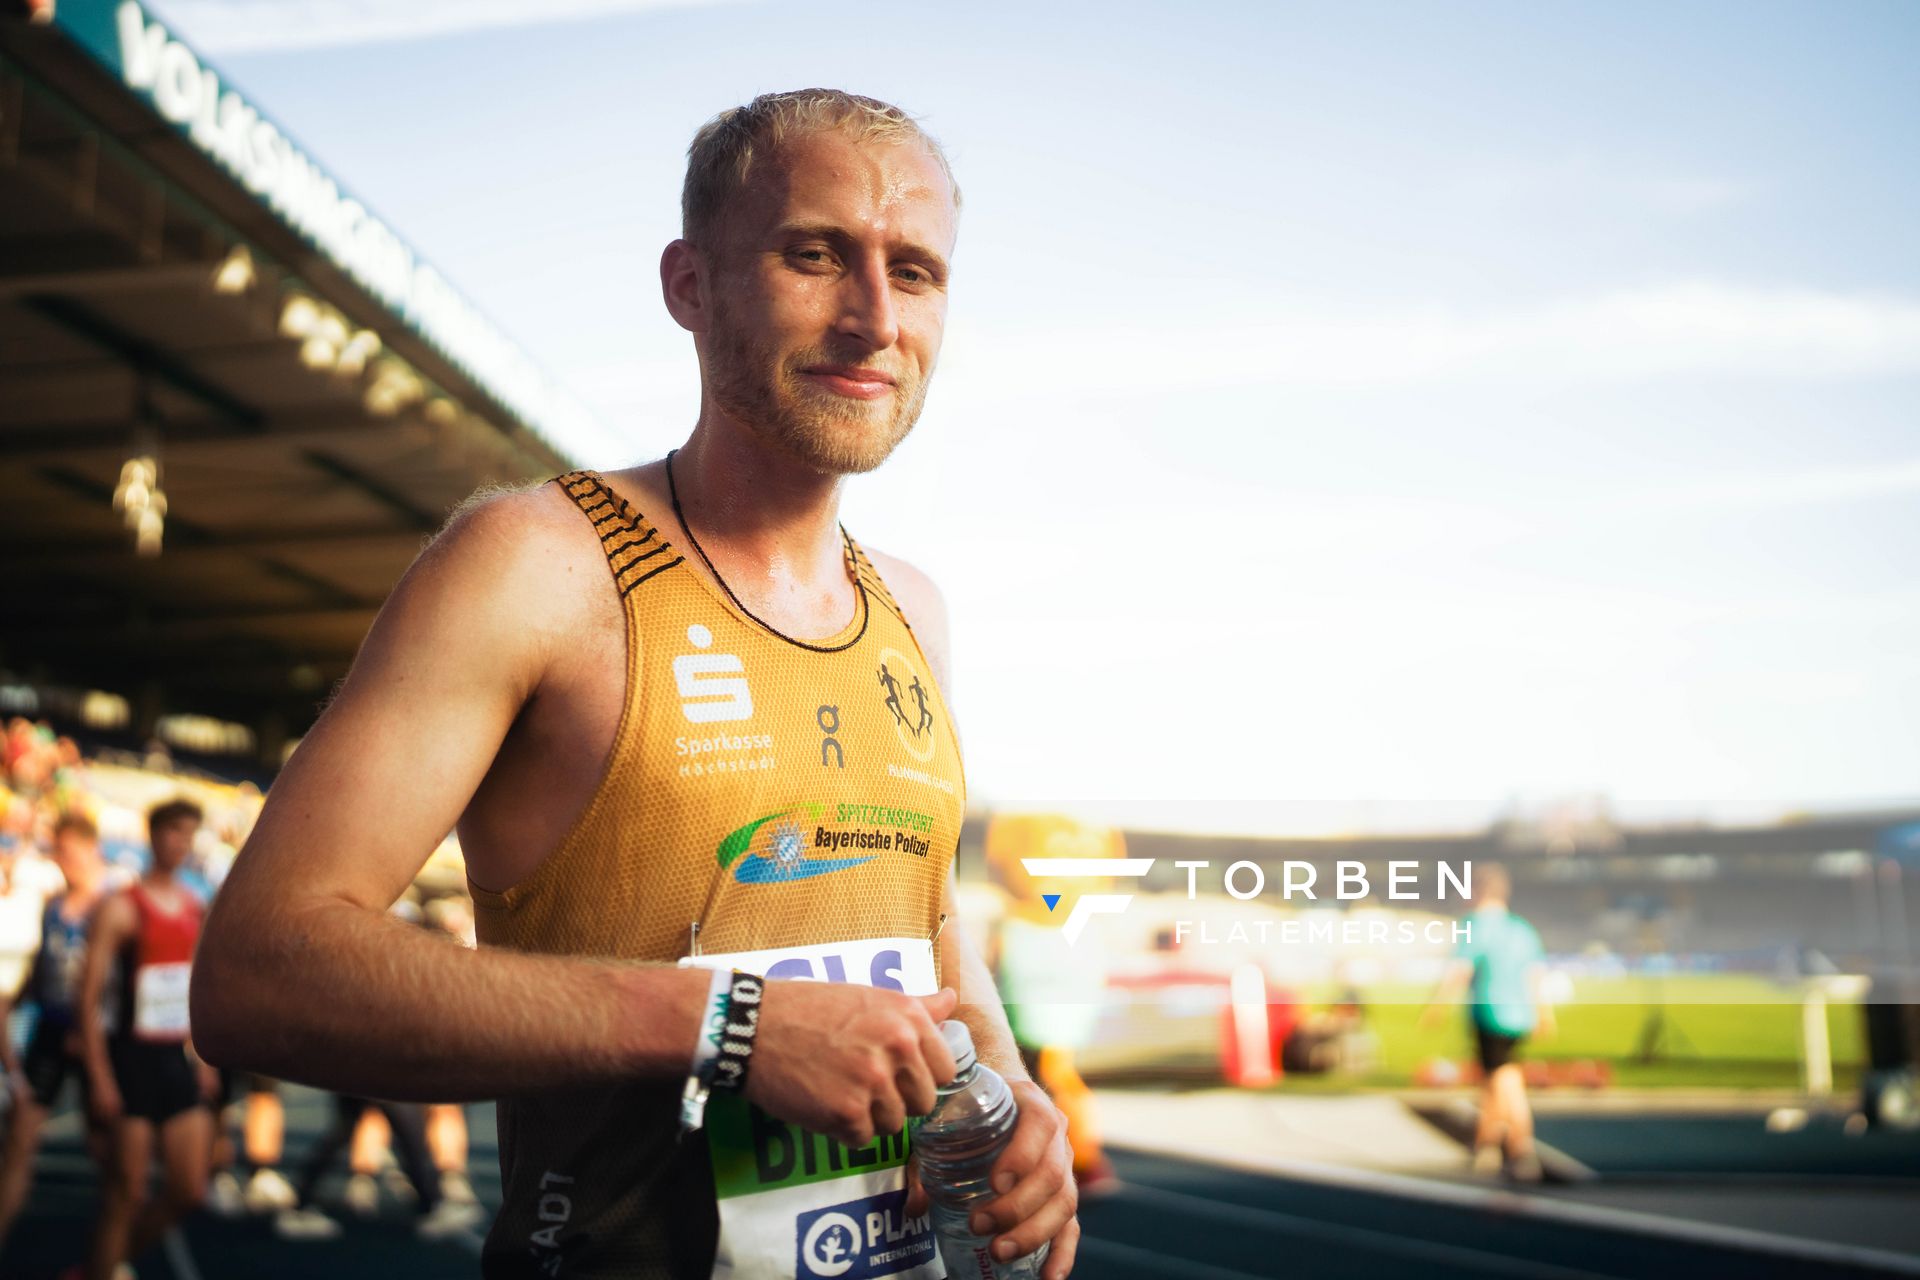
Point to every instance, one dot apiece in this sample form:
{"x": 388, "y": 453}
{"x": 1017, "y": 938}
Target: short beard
{"x": 832, "y": 434}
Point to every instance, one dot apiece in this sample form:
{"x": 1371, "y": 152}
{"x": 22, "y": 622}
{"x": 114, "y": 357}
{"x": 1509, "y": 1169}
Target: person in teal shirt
{"x": 1498, "y": 965}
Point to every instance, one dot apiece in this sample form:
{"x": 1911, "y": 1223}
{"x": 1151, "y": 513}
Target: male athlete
{"x": 691, "y": 766}
{"x": 54, "y": 1053}
{"x": 145, "y": 1083}
{"x": 1498, "y": 966}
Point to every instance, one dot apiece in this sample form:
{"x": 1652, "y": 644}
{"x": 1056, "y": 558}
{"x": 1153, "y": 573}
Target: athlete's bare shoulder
{"x": 536, "y": 521}
{"x": 114, "y": 918}
{"x": 522, "y": 553}
{"x": 920, "y": 599}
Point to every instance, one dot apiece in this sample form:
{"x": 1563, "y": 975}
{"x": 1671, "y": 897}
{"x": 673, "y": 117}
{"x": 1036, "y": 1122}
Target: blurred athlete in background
{"x": 147, "y": 1085}
{"x": 438, "y": 1216}
{"x": 1498, "y": 967}
{"x": 1053, "y": 992}
{"x": 55, "y": 1053}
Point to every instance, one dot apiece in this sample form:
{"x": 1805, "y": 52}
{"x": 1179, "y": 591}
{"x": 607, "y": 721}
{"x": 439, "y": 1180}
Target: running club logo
{"x": 909, "y": 701}
{"x": 713, "y": 686}
{"x": 773, "y": 849}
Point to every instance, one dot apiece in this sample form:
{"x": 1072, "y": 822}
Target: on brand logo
{"x": 828, "y": 718}
{"x": 713, "y": 686}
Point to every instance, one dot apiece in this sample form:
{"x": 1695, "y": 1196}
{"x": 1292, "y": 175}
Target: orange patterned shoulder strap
{"x": 635, "y": 550}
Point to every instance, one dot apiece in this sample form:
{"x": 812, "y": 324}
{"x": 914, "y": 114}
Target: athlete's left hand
{"x": 1037, "y": 1199}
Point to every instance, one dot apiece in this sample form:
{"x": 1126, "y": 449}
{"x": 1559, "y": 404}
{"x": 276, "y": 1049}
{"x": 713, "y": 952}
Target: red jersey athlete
{"x": 146, "y": 1083}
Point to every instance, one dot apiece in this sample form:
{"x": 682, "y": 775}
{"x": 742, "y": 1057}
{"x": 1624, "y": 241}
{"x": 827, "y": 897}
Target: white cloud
{"x": 253, "y": 26}
{"x": 1691, "y": 327}
{"x": 1594, "y": 185}
{"x": 1787, "y": 488}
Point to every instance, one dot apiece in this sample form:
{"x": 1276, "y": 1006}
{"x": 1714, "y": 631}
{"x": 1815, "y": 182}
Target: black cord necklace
{"x": 673, "y": 495}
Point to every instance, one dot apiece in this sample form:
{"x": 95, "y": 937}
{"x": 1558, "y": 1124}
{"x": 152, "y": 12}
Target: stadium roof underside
{"x": 179, "y": 282}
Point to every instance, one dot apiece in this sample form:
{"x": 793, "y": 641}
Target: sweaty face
{"x": 828, "y": 298}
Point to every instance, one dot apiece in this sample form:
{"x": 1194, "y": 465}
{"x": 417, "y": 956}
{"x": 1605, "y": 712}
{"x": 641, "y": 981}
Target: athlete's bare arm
{"x": 301, "y": 974}
{"x": 9, "y": 1060}
{"x": 113, "y": 923}
{"x": 1034, "y": 1176}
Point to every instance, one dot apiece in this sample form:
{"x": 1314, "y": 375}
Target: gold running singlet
{"x": 800, "y": 801}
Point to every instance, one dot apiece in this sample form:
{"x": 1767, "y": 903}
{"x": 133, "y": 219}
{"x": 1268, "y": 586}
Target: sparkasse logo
{"x": 713, "y": 686}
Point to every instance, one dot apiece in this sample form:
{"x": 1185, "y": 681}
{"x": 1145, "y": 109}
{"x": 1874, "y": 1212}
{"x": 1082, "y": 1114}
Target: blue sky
{"x": 1352, "y": 417}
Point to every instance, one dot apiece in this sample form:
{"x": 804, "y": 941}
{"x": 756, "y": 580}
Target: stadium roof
{"x": 180, "y": 281}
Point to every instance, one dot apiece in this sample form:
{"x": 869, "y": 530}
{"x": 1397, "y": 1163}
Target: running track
{"x": 1173, "y": 1220}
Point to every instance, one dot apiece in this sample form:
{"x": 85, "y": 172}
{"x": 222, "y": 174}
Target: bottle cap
{"x": 959, "y": 1043}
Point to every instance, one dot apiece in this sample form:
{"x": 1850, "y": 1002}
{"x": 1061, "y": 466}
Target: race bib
{"x": 160, "y": 1001}
{"x": 798, "y": 1206}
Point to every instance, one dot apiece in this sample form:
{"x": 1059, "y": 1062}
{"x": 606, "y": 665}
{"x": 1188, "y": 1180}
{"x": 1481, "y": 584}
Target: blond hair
{"x": 723, "y": 152}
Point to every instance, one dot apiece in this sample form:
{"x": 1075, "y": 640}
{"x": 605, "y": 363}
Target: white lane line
{"x": 1551, "y": 1209}
{"x": 64, "y": 1124}
{"x": 179, "y": 1257}
{"x": 1479, "y": 1261}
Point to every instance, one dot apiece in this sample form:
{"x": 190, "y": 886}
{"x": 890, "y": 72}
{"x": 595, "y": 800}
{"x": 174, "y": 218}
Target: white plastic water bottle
{"x": 969, "y": 1127}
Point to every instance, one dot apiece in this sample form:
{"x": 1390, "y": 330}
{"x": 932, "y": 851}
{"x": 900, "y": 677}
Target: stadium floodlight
{"x": 136, "y": 483}
{"x": 332, "y": 326}
{"x": 139, "y": 486}
{"x": 394, "y": 387}
{"x": 317, "y": 353}
{"x": 139, "y": 499}
{"x": 363, "y": 346}
{"x": 235, "y": 274}
{"x": 146, "y": 537}
{"x": 299, "y": 316}
{"x": 102, "y": 710}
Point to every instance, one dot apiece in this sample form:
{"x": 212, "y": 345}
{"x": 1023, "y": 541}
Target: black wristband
{"x": 736, "y": 1040}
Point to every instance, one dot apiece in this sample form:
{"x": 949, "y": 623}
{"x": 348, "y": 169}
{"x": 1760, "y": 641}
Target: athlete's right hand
{"x": 848, "y": 1061}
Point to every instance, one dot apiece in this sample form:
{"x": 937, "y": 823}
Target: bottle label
{"x": 970, "y": 1260}
{"x": 965, "y": 1261}
{"x": 797, "y": 1205}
